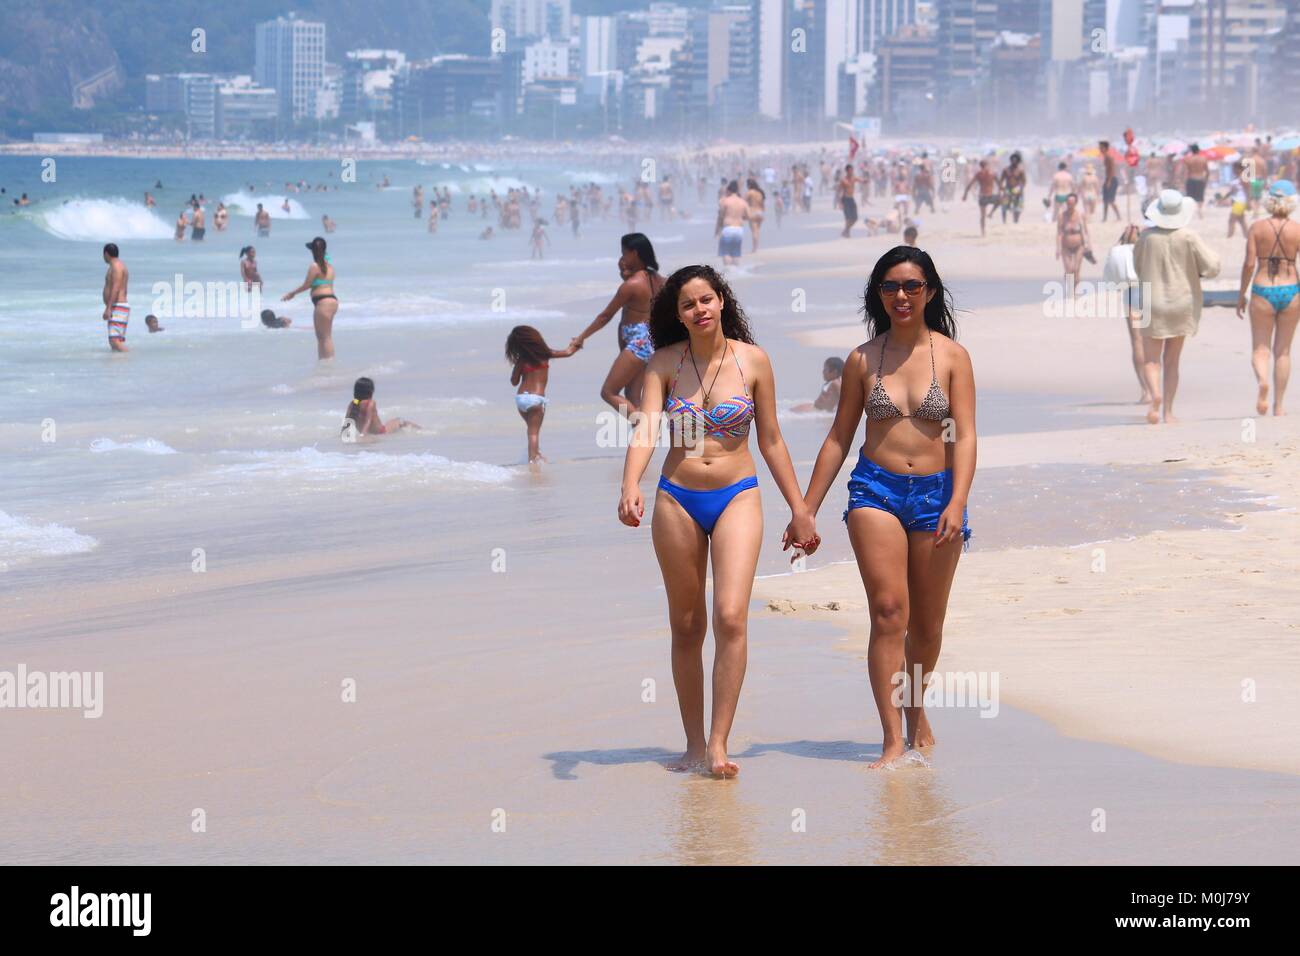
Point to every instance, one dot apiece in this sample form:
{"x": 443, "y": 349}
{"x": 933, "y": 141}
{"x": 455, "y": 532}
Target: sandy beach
{"x": 353, "y": 678}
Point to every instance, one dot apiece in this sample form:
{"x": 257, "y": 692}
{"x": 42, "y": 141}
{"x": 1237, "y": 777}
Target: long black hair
{"x": 938, "y": 311}
{"x": 666, "y": 328}
{"x": 317, "y": 247}
{"x": 639, "y": 243}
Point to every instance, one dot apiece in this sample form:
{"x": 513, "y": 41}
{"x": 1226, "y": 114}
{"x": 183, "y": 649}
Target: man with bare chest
{"x": 116, "y": 310}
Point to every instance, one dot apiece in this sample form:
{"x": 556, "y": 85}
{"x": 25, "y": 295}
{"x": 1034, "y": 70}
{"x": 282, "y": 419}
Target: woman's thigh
{"x": 682, "y": 548}
{"x": 930, "y": 571}
{"x": 880, "y": 545}
{"x": 623, "y": 372}
{"x": 737, "y": 538}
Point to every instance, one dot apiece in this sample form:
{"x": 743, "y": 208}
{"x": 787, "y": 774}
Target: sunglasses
{"x": 911, "y": 287}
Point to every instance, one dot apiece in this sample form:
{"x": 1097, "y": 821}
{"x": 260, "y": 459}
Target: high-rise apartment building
{"x": 290, "y": 57}
{"x": 532, "y": 18}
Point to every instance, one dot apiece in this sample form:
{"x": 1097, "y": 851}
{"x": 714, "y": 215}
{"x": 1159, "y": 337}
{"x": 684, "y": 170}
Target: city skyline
{"x": 795, "y": 68}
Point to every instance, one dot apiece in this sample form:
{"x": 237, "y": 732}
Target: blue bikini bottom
{"x": 1278, "y": 296}
{"x": 706, "y": 506}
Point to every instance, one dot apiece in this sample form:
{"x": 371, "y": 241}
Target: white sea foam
{"x": 587, "y": 176}
{"x": 323, "y": 467}
{"x": 101, "y": 220}
{"x": 20, "y": 541}
{"x": 480, "y": 185}
{"x": 146, "y": 446}
{"x": 243, "y": 204}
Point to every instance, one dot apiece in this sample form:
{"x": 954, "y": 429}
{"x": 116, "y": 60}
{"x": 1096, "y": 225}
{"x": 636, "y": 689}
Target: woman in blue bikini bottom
{"x": 715, "y": 386}
{"x": 1274, "y": 307}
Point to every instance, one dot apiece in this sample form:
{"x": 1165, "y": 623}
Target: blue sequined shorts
{"x": 915, "y": 500}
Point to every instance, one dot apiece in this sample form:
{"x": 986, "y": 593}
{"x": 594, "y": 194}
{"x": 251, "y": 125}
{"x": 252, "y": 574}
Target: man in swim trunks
{"x": 733, "y": 213}
{"x": 1062, "y": 186}
{"x": 198, "y": 225}
{"x": 1196, "y": 169}
{"x": 262, "y": 221}
{"x": 1109, "y": 181}
{"x": 988, "y": 183}
{"x": 116, "y": 311}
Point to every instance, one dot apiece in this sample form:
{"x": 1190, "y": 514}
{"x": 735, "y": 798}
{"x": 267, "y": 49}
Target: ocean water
{"x": 221, "y": 435}
{"x": 216, "y": 408}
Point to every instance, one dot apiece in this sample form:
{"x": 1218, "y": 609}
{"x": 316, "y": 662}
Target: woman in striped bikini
{"x": 707, "y": 501}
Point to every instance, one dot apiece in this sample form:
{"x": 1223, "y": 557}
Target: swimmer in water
{"x": 362, "y": 415}
{"x": 248, "y": 269}
{"x": 320, "y": 279}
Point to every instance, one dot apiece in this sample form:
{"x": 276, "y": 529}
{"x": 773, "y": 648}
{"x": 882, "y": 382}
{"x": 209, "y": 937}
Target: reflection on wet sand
{"x": 912, "y": 821}
{"x": 714, "y": 823}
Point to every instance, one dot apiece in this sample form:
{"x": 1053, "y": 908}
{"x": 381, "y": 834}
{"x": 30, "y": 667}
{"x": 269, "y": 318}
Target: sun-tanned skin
{"x": 907, "y": 575}
{"x": 115, "y": 281}
{"x": 682, "y": 547}
{"x": 622, "y": 386}
{"x": 1270, "y": 333}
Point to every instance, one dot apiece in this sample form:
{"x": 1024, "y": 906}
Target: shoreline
{"x": 1112, "y": 657}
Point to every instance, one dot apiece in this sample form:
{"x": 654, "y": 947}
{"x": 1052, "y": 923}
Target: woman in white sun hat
{"x": 1171, "y": 260}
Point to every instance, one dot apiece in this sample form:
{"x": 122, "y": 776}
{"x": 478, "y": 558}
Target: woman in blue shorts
{"x": 906, "y": 513}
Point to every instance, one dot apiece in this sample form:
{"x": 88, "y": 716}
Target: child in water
{"x": 362, "y": 415}
{"x": 829, "y": 397}
{"x": 528, "y": 352}
{"x": 539, "y": 239}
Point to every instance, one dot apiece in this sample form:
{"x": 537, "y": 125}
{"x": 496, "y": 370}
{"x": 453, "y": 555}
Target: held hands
{"x": 575, "y": 343}
{"x": 631, "y": 507}
{"x": 801, "y": 532}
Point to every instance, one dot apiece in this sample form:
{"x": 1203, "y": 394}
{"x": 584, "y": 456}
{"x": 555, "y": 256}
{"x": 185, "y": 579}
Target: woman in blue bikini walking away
{"x": 641, "y": 281}
{"x": 906, "y": 514}
{"x": 1274, "y": 294}
{"x": 712, "y": 381}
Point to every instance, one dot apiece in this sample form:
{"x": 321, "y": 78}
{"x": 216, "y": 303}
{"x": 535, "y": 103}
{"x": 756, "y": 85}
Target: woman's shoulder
{"x": 666, "y": 357}
{"x": 951, "y": 348}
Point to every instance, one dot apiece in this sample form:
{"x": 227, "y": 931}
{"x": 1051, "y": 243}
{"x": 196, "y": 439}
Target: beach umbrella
{"x": 1219, "y": 152}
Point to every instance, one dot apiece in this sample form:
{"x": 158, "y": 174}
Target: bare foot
{"x": 888, "y": 753}
{"x": 921, "y": 735}
{"x": 1277, "y": 410}
{"x": 1153, "y": 413}
{"x": 690, "y": 762}
{"x": 720, "y": 765}
{"x": 1261, "y": 403}
{"x": 1169, "y": 419}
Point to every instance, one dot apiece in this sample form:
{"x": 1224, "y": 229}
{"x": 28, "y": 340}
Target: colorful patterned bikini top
{"x": 729, "y": 418}
{"x": 933, "y": 408}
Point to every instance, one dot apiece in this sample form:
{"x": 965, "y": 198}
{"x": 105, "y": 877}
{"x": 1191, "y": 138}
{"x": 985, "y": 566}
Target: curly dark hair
{"x": 938, "y": 311}
{"x": 666, "y": 328}
{"x": 525, "y": 344}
